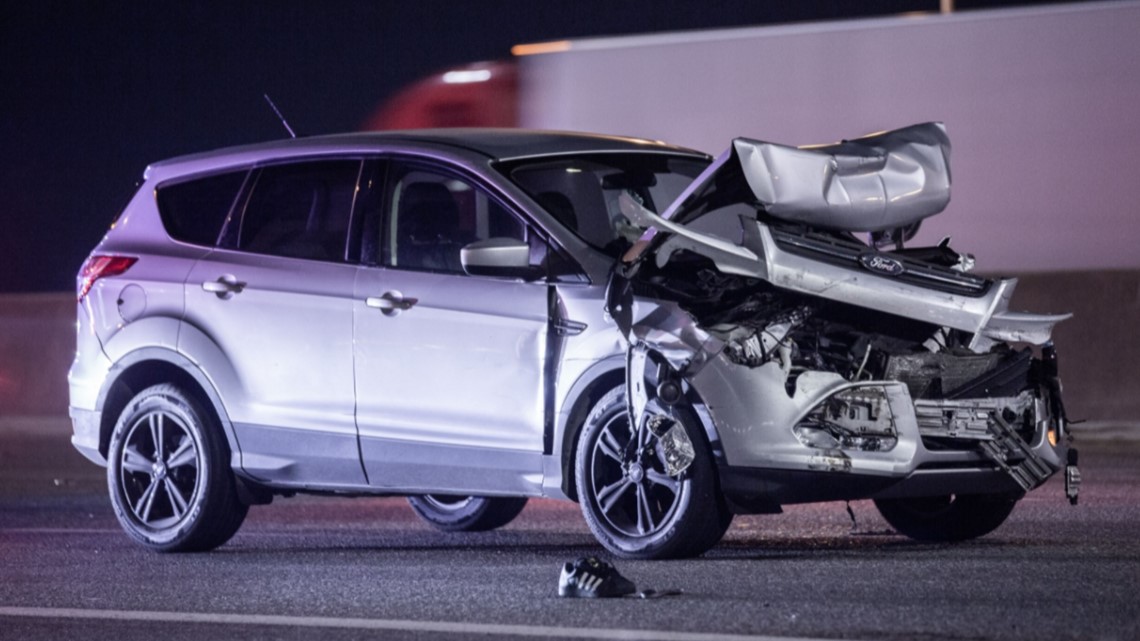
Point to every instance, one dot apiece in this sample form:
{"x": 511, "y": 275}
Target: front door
{"x": 449, "y": 367}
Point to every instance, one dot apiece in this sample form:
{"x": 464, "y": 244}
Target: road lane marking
{"x": 58, "y": 530}
{"x": 403, "y": 625}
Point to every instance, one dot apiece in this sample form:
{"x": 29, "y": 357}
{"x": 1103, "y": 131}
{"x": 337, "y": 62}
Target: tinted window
{"x": 432, "y": 215}
{"x": 194, "y": 211}
{"x": 301, "y": 210}
{"x": 582, "y": 192}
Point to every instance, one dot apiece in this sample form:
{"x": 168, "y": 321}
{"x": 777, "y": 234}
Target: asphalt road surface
{"x": 335, "y": 568}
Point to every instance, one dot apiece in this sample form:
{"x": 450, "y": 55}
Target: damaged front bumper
{"x": 832, "y": 439}
{"x": 818, "y": 436}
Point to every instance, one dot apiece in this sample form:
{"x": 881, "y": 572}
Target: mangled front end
{"x": 827, "y": 368}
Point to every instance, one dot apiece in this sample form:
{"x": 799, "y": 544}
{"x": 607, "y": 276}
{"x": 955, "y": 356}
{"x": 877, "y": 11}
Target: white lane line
{"x": 403, "y": 625}
{"x": 61, "y": 530}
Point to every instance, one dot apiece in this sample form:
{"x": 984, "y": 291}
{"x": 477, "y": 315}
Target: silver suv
{"x": 456, "y": 317}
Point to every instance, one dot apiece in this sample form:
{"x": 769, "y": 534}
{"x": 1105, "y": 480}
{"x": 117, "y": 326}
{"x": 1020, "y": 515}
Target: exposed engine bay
{"x": 759, "y": 323}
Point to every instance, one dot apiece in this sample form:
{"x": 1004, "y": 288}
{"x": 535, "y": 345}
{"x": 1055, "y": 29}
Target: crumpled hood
{"x": 874, "y": 183}
{"x": 879, "y": 182}
{"x": 886, "y": 181}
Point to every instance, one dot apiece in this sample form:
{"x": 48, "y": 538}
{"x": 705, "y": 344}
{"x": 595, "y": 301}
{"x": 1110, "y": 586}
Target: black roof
{"x": 520, "y": 143}
{"x": 501, "y": 144}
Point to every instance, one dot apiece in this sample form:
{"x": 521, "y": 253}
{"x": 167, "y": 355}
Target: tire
{"x": 630, "y": 504}
{"x": 947, "y": 518}
{"x": 467, "y": 513}
{"x": 169, "y": 475}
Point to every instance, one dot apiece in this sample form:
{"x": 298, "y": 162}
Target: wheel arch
{"x": 590, "y": 387}
{"x": 149, "y": 366}
{"x": 602, "y": 377}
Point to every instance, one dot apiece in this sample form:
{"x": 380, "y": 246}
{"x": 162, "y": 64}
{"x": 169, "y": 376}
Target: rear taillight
{"x": 101, "y": 266}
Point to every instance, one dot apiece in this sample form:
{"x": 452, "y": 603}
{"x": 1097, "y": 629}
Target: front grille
{"x": 845, "y": 253}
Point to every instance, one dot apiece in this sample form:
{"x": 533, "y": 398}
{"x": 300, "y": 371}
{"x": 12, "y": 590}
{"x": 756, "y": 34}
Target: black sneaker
{"x": 591, "y": 578}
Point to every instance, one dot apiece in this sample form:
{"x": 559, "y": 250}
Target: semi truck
{"x": 1039, "y": 102}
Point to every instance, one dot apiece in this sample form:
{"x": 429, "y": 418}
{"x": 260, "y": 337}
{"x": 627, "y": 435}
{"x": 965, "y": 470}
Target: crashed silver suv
{"x": 473, "y": 317}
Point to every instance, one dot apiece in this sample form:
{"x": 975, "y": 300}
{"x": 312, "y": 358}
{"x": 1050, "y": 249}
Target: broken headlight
{"x": 674, "y": 447}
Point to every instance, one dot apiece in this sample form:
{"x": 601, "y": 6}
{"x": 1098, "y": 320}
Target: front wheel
{"x": 947, "y": 518}
{"x": 634, "y": 507}
{"x": 467, "y": 513}
{"x": 168, "y": 473}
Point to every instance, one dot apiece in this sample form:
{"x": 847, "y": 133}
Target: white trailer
{"x": 1042, "y": 106}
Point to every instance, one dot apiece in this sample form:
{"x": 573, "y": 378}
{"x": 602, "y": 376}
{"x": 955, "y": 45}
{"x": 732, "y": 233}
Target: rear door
{"x": 449, "y": 367}
{"x": 276, "y": 303}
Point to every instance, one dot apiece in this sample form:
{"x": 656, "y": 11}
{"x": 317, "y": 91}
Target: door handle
{"x": 391, "y": 303}
{"x": 225, "y": 287}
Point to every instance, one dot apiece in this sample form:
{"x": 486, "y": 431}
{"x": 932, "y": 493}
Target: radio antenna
{"x": 292, "y": 134}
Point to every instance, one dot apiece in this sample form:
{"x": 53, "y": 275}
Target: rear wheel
{"x": 168, "y": 473}
{"x": 631, "y": 504}
{"x": 467, "y": 513}
{"x": 947, "y": 518}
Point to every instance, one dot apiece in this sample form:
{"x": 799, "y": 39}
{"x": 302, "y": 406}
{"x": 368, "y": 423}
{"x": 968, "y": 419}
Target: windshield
{"x": 582, "y": 192}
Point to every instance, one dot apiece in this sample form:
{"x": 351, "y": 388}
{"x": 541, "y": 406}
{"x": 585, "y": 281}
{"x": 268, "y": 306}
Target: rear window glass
{"x": 194, "y": 211}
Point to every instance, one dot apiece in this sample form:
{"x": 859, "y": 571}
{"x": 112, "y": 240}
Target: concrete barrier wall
{"x": 37, "y": 345}
{"x": 1098, "y": 348}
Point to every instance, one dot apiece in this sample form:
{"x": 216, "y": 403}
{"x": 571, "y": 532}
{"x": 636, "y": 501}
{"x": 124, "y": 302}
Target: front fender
{"x": 591, "y": 384}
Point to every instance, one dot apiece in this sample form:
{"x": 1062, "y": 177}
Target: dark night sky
{"x": 90, "y": 92}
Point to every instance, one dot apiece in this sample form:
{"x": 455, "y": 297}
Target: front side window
{"x": 194, "y": 211}
{"x": 582, "y": 192}
{"x": 432, "y": 215}
{"x": 301, "y": 210}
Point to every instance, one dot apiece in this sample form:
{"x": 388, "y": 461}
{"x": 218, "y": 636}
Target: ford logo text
{"x": 881, "y": 264}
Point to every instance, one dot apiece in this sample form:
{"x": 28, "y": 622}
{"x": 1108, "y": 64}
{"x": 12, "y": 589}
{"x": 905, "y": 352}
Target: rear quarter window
{"x": 195, "y": 210}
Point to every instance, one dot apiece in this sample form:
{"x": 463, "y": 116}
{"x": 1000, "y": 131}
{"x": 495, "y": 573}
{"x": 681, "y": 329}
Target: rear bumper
{"x": 85, "y": 437}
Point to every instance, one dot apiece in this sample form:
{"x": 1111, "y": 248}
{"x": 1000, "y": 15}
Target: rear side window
{"x": 301, "y": 210}
{"x": 194, "y": 211}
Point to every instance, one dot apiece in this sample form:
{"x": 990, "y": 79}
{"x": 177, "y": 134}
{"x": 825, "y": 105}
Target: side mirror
{"x": 498, "y": 257}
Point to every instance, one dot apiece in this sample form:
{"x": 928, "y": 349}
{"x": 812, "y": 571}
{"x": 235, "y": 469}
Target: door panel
{"x": 450, "y": 388}
{"x": 449, "y": 367}
{"x": 287, "y": 333}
